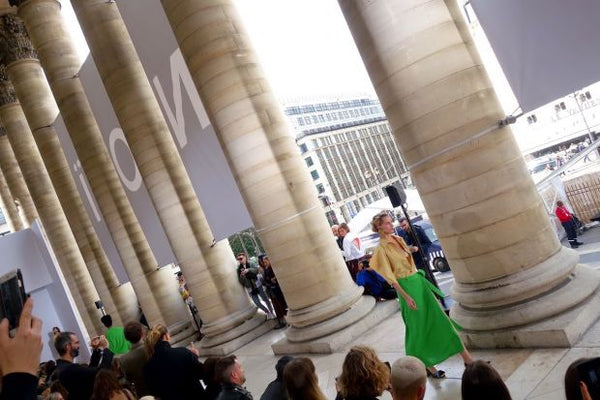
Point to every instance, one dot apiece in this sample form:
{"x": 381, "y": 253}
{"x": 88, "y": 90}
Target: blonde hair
{"x": 363, "y": 373}
{"x": 408, "y": 375}
{"x": 378, "y": 220}
{"x": 154, "y": 336}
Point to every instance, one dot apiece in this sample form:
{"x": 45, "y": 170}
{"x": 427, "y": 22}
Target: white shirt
{"x": 353, "y": 248}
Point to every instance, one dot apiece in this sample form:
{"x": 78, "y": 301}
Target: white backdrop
{"x": 547, "y": 48}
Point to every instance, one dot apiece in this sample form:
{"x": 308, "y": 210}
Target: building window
{"x": 585, "y": 96}
{"x": 531, "y": 119}
{"x": 303, "y": 148}
{"x": 309, "y": 161}
{"x": 314, "y": 174}
{"x": 320, "y": 188}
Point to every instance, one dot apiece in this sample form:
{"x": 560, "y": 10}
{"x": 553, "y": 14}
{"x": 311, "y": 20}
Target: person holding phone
{"x": 576, "y": 387}
{"x": 430, "y": 335}
{"x": 79, "y": 379}
{"x": 20, "y": 356}
{"x": 171, "y": 373}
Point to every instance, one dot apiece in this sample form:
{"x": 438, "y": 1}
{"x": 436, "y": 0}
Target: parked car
{"x": 435, "y": 253}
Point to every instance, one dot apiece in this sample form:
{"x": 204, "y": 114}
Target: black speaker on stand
{"x": 396, "y": 193}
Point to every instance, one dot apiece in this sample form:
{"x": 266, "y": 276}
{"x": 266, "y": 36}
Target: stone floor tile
{"x": 532, "y": 371}
{"x": 553, "y": 382}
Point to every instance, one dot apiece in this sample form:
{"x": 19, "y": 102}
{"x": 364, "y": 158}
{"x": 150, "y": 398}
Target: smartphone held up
{"x": 13, "y": 296}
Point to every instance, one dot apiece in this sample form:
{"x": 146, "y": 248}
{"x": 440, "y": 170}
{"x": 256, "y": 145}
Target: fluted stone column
{"x": 9, "y": 209}
{"x": 16, "y": 184}
{"x": 25, "y": 73}
{"x": 50, "y": 211}
{"x": 269, "y": 172}
{"x": 210, "y": 268}
{"x": 156, "y": 289}
{"x": 515, "y": 285}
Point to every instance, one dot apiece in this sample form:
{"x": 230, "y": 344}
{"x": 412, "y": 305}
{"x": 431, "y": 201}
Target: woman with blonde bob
{"x": 301, "y": 381}
{"x": 430, "y": 335}
{"x": 364, "y": 375}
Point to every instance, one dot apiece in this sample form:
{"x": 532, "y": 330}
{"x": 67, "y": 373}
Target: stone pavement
{"x": 529, "y": 373}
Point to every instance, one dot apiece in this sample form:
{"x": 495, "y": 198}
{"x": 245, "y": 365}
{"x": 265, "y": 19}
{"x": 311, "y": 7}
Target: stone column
{"x": 515, "y": 285}
{"x": 9, "y": 209}
{"x": 156, "y": 289}
{"x": 209, "y": 267}
{"x": 25, "y": 73}
{"x": 269, "y": 172}
{"x": 16, "y": 185}
{"x": 50, "y": 212}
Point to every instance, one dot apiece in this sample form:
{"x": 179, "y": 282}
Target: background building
{"x": 348, "y": 147}
{"x": 565, "y": 121}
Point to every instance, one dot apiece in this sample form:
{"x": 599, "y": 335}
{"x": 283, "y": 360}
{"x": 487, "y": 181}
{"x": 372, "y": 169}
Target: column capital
{"x": 21, "y": 3}
{"x": 7, "y": 91}
{"x": 17, "y": 45}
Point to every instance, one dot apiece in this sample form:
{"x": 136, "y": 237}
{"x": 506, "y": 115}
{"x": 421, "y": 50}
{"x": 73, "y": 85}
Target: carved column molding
{"x": 154, "y": 288}
{"x": 75, "y": 244}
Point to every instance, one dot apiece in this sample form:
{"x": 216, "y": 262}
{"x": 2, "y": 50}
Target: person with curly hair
{"x": 301, "y": 381}
{"x": 430, "y": 335}
{"x": 364, "y": 375}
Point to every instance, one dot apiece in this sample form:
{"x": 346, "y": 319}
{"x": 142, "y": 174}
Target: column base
{"x": 339, "y": 340}
{"x": 563, "y": 329}
{"x": 182, "y": 333}
{"x": 226, "y": 343}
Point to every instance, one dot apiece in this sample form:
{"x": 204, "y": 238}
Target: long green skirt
{"x": 430, "y": 335}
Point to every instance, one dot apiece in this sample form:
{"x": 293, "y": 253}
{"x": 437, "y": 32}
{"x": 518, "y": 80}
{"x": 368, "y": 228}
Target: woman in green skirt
{"x": 430, "y": 335}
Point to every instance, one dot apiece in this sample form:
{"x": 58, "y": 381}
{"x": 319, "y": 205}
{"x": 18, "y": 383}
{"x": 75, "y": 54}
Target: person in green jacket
{"x": 115, "y": 336}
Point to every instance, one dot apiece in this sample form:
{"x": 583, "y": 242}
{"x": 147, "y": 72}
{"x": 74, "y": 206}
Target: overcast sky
{"x": 304, "y": 45}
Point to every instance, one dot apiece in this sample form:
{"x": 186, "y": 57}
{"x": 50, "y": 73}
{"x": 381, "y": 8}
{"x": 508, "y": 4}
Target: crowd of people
{"x": 130, "y": 363}
{"x": 176, "y": 373}
{"x": 262, "y": 286}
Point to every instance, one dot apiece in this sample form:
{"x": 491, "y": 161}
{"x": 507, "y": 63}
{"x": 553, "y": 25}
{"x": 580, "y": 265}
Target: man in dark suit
{"x": 413, "y": 246}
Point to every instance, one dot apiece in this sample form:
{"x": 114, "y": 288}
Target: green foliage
{"x": 246, "y": 241}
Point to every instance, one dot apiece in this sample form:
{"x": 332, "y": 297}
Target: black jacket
{"x": 424, "y": 243}
{"x": 19, "y": 386}
{"x": 79, "y": 379}
{"x": 234, "y": 392}
{"x": 174, "y": 373}
{"x": 275, "y": 391}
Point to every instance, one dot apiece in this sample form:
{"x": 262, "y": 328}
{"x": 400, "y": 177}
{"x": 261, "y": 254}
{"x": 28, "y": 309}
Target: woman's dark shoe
{"x": 439, "y": 374}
